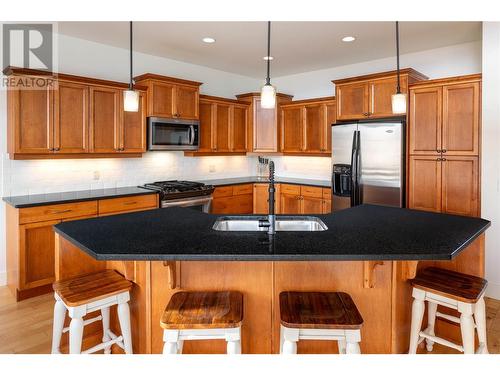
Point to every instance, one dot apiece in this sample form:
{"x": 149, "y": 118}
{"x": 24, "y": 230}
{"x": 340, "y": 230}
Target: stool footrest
{"x": 116, "y": 340}
{"x": 441, "y": 341}
{"x": 451, "y": 318}
{"x": 113, "y": 337}
{"x": 85, "y": 322}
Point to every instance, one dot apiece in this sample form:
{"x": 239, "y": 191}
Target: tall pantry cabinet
{"x": 444, "y": 145}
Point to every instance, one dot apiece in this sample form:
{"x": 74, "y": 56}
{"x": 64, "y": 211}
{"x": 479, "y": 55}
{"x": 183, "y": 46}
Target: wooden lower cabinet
{"x": 237, "y": 199}
{"x": 305, "y": 200}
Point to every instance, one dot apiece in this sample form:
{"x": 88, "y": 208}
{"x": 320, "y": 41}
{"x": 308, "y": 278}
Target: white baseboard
{"x": 3, "y": 278}
{"x": 493, "y": 291}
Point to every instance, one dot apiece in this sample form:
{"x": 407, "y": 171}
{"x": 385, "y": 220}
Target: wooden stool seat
{"x": 202, "y": 316}
{"x": 91, "y": 287}
{"x": 463, "y": 293}
{"x": 81, "y": 295}
{"x": 319, "y": 316}
{"x": 459, "y": 286}
{"x": 320, "y": 310}
{"x": 199, "y": 310}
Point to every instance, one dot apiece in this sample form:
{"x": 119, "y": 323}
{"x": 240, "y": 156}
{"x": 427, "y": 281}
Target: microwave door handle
{"x": 191, "y": 135}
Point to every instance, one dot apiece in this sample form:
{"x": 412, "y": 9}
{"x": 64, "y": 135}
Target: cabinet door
{"x": 381, "y": 91}
{"x": 71, "y": 107}
{"x": 461, "y": 185}
{"x": 236, "y": 204}
{"x": 290, "y": 204}
{"x": 260, "y": 199}
{"x": 425, "y": 183}
{"x": 186, "y": 102}
{"x": 133, "y": 129}
{"x": 327, "y": 206}
{"x": 314, "y": 128}
{"x": 104, "y": 119}
{"x": 292, "y": 129}
{"x": 223, "y": 119}
{"x": 36, "y": 256}
{"x": 207, "y": 126}
{"x": 311, "y": 205}
{"x": 265, "y": 128}
{"x": 460, "y": 135}
{"x": 239, "y": 129}
{"x": 161, "y": 99}
{"x": 31, "y": 117}
{"x": 352, "y": 101}
{"x": 331, "y": 118}
{"x": 425, "y": 120}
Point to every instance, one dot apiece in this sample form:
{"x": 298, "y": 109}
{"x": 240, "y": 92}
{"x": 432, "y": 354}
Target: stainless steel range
{"x": 183, "y": 194}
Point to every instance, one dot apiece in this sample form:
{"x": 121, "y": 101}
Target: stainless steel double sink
{"x": 283, "y": 223}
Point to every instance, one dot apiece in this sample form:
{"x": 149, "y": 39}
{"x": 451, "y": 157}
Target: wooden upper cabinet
{"x": 262, "y": 123}
{"x": 460, "y": 134}
{"x": 30, "y": 121}
{"x": 223, "y": 121}
{"x": 105, "y": 116}
{"x": 186, "y": 102}
{"x": 370, "y": 96}
{"x": 314, "y": 133}
{"x": 425, "y": 120}
{"x": 460, "y": 181}
{"x": 292, "y": 135}
{"x": 207, "y": 126}
{"x": 445, "y": 117}
{"x": 239, "y": 128}
{"x": 171, "y": 97}
{"x": 425, "y": 183}
{"x": 352, "y": 100}
{"x": 132, "y": 132}
{"x": 71, "y": 109}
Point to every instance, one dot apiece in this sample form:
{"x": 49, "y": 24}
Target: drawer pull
{"x": 60, "y": 212}
{"x": 130, "y": 203}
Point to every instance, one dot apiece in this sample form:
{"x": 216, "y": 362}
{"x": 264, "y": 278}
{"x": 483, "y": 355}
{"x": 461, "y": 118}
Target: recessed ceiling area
{"x": 296, "y": 47}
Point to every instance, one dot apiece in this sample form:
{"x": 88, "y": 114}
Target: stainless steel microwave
{"x": 173, "y": 134}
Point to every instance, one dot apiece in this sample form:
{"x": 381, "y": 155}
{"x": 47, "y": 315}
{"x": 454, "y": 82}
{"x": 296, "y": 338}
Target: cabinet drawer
{"x": 223, "y": 191}
{"x": 242, "y": 189}
{"x": 57, "y": 211}
{"x": 290, "y": 189}
{"x": 134, "y": 203}
{"x": 311, "y": 191}
{"x": 327, "y": 193}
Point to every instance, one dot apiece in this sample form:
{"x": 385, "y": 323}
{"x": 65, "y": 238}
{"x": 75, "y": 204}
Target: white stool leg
{"x": 342, "y": 346}
{"x": 290, "y": 338}
{"x": 58, "y": 325}
{"x": 282, "y": 340}
{"x": 480, "y": 318}
{"x": 467, "y": 327}
{"x": 180, "y": 345}
{"x": 170, "y": 347}
{"x": 233, "y": 339}
{"x": 431, "y": 321}
{"x": 417, "y": 314}
{"x": 76, "y": 329}
{"x": 352, "y": 338}
{"x": 124, "y": 318}
{"x": 234, "y": 347}
{"x": 105, "y": 328}
{"x": 171, "y": 340}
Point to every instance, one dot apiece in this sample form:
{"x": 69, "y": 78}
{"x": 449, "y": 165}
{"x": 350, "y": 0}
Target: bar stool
{"x": 319, "y": 316}
{"x": 82, "y": 295}
{"x": 202, "y": 316}
{"x": 458, "y": 291}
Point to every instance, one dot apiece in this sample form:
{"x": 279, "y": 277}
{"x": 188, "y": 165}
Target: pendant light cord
{"x": 268, "y": 79}
{"x": 398, "y": 91}
{"x": 131, "y": 83}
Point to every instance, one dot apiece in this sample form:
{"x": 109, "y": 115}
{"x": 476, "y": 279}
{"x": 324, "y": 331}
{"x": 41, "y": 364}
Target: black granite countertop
{"x": 364, "y": 232}
{"x": 24, "y": 201}
{"x": 255, "y": 179}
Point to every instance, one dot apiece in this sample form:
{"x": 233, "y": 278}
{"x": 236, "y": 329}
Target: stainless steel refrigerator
{"x": 368, "y": 163}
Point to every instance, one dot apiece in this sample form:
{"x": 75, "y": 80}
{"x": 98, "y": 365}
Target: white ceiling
{"x": 296, "y": 46}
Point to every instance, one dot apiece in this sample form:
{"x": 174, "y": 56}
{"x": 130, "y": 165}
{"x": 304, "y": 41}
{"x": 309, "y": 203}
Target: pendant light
{"x": 398, "y": 99}
{"x": 130, "y": 96}
{"x": 268, "y": 92}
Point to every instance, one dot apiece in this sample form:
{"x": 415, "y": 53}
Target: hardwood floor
{"x": 26, "y": 326}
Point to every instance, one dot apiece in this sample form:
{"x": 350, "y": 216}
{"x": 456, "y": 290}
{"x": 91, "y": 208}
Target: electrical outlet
{"x": 211, "y": 168}
{"x": 97, "y": 175}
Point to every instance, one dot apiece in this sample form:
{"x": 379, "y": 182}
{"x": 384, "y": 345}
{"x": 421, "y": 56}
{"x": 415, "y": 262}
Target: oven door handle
{"x": 191, "y": 135}
{"x": 186, "y": 202}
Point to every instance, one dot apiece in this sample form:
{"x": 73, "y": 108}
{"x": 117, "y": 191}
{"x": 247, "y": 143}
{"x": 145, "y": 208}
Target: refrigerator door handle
{"x": 354, "y": 168}
{"x": 358, "y": 169}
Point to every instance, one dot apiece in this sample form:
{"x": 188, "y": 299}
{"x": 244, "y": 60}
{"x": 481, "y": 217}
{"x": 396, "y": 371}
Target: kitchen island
{"x": 367, "y": 251}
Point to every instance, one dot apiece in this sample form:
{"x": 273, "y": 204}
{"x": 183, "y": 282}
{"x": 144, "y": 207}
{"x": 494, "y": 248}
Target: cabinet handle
{"x": 57, "y": 149}
{"x": 129, "y": 203}
{"x": 439, "y": 151}
{"x": 51, "y": 149}
{"x": 444, "y": 151}
{"x": 60, "y": 212}
{"x": 443, "y": 159}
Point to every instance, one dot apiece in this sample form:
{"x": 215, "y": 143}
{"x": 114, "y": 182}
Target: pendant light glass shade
{"x": 131, "y": 101}
{"x": 130, "y": 96}
{"x": 399, "y": 103}
{"x": 268, "y": 96}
